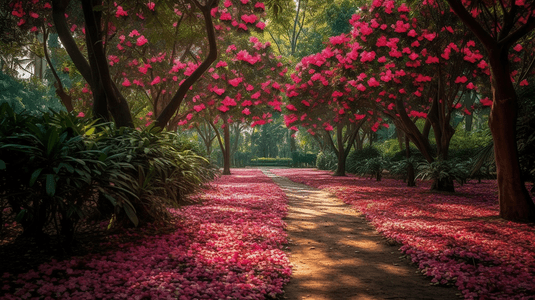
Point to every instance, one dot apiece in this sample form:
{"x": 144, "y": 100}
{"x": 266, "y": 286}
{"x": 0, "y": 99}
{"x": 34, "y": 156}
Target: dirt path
{"x": 337, "y": 255}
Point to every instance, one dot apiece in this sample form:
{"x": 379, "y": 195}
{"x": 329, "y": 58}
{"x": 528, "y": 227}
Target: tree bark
{"x": 515, "y": 202}
{"x": 115, "y": 102}
{"x": 226, "y": 152}
{"x": 410, "y": 165}
{"x": 177, "y": 99}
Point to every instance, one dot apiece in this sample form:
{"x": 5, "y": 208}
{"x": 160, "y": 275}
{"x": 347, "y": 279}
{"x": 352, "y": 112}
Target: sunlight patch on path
{"x": 336, "y": 254}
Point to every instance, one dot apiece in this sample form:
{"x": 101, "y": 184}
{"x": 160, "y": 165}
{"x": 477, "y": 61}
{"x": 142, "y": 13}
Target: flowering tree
{"x": 102, "y": 32}
{"x": 320, "y": 102}
{"x": 408, "y": 68}
{"x": 411, "y": 69}
{"x": 243, "y": 87}
{"x": 499, "y": 26}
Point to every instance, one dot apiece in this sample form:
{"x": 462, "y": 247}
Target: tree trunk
{"x": 515, "y": 202}
{"x": 443, "y": 185}
{"x": 226, "y": 152}
{"x": 410, "y": 166}
{"x": 340, "y": 153}
{"x": 341, "y": 168}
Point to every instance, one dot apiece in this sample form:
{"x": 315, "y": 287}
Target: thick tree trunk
{"x": 226, "y": 152}
{"x": 515, "y": 201}
{"x": 341, "y": 168}
{"x": 116, "y": 104}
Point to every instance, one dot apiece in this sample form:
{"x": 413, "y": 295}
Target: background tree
{"x": 243, "y": 87}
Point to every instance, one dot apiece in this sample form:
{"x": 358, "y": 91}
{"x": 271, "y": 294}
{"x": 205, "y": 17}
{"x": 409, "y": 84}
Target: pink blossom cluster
{"x": 457, "y": 239}
{"x": 228, "y": 247}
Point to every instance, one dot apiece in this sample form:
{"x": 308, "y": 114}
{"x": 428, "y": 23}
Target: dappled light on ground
{"x": 336, "y": 254}
{"x": 454, "y": 238}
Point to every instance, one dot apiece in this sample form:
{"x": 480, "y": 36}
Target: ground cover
{"x": 226, "y": 247}
{"x": 454, "y": 238}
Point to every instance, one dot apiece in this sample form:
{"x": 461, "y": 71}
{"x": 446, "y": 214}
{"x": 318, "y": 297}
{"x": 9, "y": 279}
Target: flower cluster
{"x": 457, "y": 239}
{"x": 228, "y": 247}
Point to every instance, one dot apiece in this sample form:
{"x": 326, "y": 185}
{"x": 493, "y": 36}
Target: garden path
{"x": 337, "y": 254}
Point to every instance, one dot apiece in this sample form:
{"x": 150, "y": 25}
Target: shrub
{"x": 357, "y": 158}
{"x": 399, "y": 167}
{"x": 303, "y": 159}
{"x": 373, "y": 167}
{"x": 271, "y": 161}
{"x": 326, "y": 161}
{"x": 59, "y": 170}
{"x": 440, "y": 170}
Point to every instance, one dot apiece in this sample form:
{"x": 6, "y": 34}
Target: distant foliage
{"x": 27, "y": 96}
{"x": 271, "y": 161}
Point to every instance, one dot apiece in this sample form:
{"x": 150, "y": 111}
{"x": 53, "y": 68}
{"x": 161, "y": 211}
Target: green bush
{"x": 303, "y": 159}
{"x": 60, "y": 170}
{"x": 326, "y": 161}
{"x": 357, "y": 158}
{"x": 372, "y": 167}
{"x": 28, "y": 96}
{"x": 271, "y": 161}
{"x": 443, "y": 170}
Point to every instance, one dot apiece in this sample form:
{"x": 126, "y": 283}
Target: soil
{"x": 337, "y": 254}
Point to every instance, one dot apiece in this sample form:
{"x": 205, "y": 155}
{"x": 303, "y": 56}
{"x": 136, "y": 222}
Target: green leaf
{"x": 131, "y": 213}
{"x": 50, "y": 185}
{"x": 90, "y": 131}
{"x": 102, "y": 157}
{"x": 20, "y": 216}
{"x": 2, "y": 165}
{"x": 35, "y": 175}
{"x": 52, "y": 140}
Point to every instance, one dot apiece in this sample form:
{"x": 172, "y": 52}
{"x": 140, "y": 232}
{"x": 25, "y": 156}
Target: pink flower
{"x": 291, "y": 107}
{"x": 461, "y": 79}
{"x": 229, "y": 101}
{"x": 524, "y": 82}
{"x": 141, "y": 41}
{"x": 80, "y": 115}
{"x": 126, "y": 82}
{"x": 155, "y": 81}
{"x": 221, "y": 64}
{"x": 151, "y": 5}
{"x": 246, "y": 111}
{"x": 223, "y": 108}
{"x": 121, "y": 12}
{"x": 249, "y": 18}
{"x": 372, "y": 82}
{"x": 485, "y": 101}
{"x": 133, "y": 33}
{"x": 261, "y": 25}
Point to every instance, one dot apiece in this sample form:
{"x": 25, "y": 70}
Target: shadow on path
{"x": 336, "y": 254}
